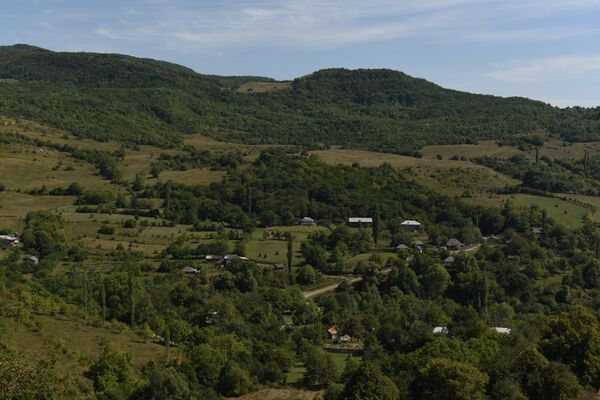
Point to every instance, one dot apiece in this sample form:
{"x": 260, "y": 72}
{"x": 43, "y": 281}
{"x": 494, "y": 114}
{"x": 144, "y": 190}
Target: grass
{"x": 563, "y": 212}
{"x": 195, "y": 176}
{"x": 260, "y": 87}
{"x": 15, "y": 206}
{"x": 341, "y": 359}
{"x": 273, "y": 393}
{"x": 74, "y": 344}
{"x": 455, "y": 178}
{"x": 484, "y": 148}
{"x": 296, "y": 373}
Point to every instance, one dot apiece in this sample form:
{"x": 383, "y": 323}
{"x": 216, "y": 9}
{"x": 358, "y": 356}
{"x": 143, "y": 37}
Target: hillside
{"x": 109, "y": 96}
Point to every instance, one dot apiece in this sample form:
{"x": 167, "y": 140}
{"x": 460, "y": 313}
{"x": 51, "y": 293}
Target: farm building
{"x": 187, "y": 270}
{"x": 454, "y": 244}
{"x": 501, "y": 330}
{"x": 402, "y": 247}
{"x": 332, "y": 332}
{"x": 440, "y": 330}
{"x": 360, "y": 221}
{"x": 410, "y": 225}
{"x": 229, "y": 258}
{"x": 211, "y": 257}
{"x": 448, "y": 261}
{"x": 33, "y": 259}
{"x": 307, "y": 221}
{"x": 9, "y": 240}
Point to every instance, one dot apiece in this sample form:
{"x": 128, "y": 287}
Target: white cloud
{"x": 548, "y": 69}
{"x": 334, "y": 23}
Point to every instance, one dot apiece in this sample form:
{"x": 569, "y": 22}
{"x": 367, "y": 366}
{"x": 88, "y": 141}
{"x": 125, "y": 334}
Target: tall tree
{"x": 130, "y": 282}
{"x": 290, "y": 255}
{"x": 375, "y": 225}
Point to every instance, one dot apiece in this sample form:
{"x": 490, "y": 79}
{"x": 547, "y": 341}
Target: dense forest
{"x": 146, "y": 101}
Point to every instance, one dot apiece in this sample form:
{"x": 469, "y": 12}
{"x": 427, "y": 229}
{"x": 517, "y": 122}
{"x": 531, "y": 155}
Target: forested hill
{"x": 147, "y": 101}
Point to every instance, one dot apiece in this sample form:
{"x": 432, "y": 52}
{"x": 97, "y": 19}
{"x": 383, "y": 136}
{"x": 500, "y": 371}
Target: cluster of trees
{"x": 145, "y": 101}
{"x": 195, "y": 158}
{"x": 279, "y": 188}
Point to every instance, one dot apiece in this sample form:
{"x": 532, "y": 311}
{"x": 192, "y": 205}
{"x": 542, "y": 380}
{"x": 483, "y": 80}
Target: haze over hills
{"x": 110, "y": 96}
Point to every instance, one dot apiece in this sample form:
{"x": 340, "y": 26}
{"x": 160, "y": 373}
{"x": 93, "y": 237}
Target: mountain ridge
{"x": 113, "y": 96}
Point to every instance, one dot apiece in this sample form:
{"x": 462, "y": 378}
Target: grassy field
{"x": 282, "y": 394}
{"x": 195, "y": 176}
{"x": 74, "y": 344}
{"x": 296, "y": 373}
{"x": 14, "y": 206}
{"x": 260, "y": 87}
{"x": 563, "y": 212}
{"x": 451, "y": 177}
{"x": 484, "y": 148}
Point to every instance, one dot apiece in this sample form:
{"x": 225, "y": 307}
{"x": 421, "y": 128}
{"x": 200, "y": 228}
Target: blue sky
{"x": 543, "y": 49}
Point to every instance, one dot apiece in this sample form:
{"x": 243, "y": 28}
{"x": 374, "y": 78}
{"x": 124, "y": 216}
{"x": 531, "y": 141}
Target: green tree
{"x": 113, "y": 375}
{"x": 435, "y": 281}
{"x": 234, "y": 381}
{"x": 208, "y": 362}
{"x": 369, "y": 383}
{"x": 290, "y": 255}
{"x": 162, "y": 382}
{"x": 307, "y": 275}
{"x": 320, "y": 369}
{"x": 443, "y": 379}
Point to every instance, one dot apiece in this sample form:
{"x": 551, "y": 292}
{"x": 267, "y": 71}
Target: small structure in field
{"x": 410, "y": 225}
{"x": 501, "y": 330}
{"x": 9, "y": 241}
{"x": 402, "y": 247}
{"x": 440, "y": 330}
{"x": 187, "y": 270}
{"x": 307, "y": 221}
{"x": 359, "y": 222}
{"x": 33, "y": 259}
{"x": 229, "y": 258}
{"x": 332, "y": 332}
{"x": 278, "y": 266}
{"x": 448, "y": 261}
{"x": 211, "y": 257}
{"x": 454, "y": 244}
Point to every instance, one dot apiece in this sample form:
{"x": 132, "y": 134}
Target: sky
{"x": 542, "y": 49}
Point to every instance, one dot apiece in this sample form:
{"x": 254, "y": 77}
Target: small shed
{"x": 360, "y": 221}
{"x": 448, "y": 261}
{"x": 33, "y": 259}
{"x": 9, "y": 241}
{"x": 402, "y": 247}
{"x": 332, "y": 332}
{"x": 501, "y": 330}
{"x": 443, "y": 330}
{"x": 307, "y": 221}
{"x": 454, "y": 244}
{"x": 187, "y": 270}
{"x": 410, "y": 225}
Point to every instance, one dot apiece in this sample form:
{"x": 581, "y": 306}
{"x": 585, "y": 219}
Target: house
{"x": 229, "y": 258}
{"x": 501, "y": 330}
{"x": 278, "y": 266}
{"x": 418, "y": 243}
{"x": 9, "y": 241}
{"x": 402, "y": 247}
{"x": 454, "y": 244}
{"x": 211, "y": 257}
{"x": 344, "y": 339}
{"x": 33, "y": 259}
{"x": 440, "y": 330}
{"x": 448, "y": 261}
{"x": 332, "y": 332}
{"x": 210, "y": 317}
{"x": 360, "y": 221}
{"x": 307, "y": 221}
{"x": 187, "y": 270}
{"x": 410, "y": 225}
{"x": 537, "y": 230}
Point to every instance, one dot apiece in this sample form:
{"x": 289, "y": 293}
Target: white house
{"x": 9, "y": 240}
{"x": 440, "y": 330}
{"x": 360, "y": 221}
{"x": 504, "y": 331}
{"x": 307, "y": 221}
{"x": 187, "y": 270}
{"x": 410, "y": 225}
